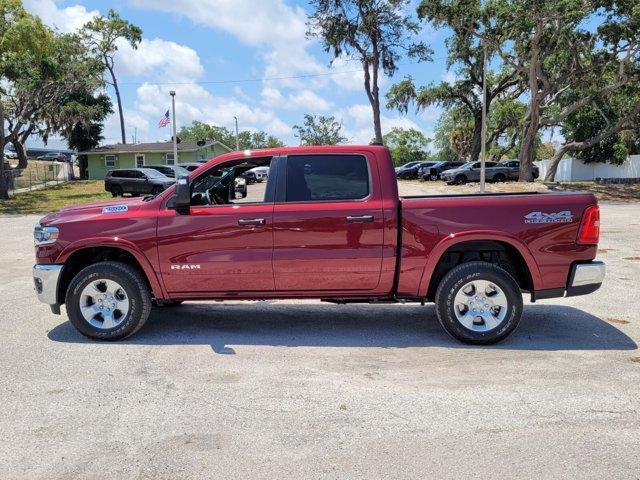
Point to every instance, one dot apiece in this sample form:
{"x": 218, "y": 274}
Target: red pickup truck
{"x": 327, "y": 224}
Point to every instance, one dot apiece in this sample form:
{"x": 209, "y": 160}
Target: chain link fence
{"x": 37, "y": 175}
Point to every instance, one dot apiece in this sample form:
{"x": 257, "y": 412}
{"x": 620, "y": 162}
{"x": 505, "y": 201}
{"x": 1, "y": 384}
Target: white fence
{"x": 573, "y": 170}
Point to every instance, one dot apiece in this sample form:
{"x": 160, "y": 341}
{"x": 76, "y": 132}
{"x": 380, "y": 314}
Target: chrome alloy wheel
{"x": 104, "y": 304}
{"x": 480, "y": 305}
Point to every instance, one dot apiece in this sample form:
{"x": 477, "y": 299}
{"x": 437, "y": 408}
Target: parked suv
{"x": 470, "y": 172}
{"x": 136, "y": 181}
{"x": 54, "y": 157}
{"x": 433, "y": 172}
{"x": 413, "y": 171}
{"x": 171, "y": 171}
{"x": 513, "y": 169}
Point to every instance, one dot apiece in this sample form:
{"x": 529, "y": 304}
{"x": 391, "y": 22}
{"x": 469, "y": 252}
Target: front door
{"x": 328, "y": 225}
{"x": 221, "y": 245}
{"x": 139, "y": 161}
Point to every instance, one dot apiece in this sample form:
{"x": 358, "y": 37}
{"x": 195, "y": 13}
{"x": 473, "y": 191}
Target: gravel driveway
{"x": 308, "y": 390}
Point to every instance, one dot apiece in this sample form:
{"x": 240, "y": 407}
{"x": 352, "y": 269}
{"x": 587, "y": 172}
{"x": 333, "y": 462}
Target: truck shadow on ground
{"x": 223, "y": 325}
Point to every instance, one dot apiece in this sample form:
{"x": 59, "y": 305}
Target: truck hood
{"x": 109, "y": 207}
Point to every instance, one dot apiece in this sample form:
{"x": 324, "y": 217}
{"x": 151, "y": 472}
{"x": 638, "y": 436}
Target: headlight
{"x": 44, "y": 235}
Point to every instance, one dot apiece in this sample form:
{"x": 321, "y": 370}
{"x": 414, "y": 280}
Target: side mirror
{"x": 182, "y": 198}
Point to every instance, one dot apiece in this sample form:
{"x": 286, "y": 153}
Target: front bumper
{"x": 45, "y": 280}
{"x": 585, "y": 278}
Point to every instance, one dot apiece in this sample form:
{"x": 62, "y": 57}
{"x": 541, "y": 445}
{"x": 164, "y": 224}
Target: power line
{"x": 264, "y": 79}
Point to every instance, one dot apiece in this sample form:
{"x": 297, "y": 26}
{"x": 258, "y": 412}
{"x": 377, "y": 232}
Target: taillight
{"x": 589, "y": 233}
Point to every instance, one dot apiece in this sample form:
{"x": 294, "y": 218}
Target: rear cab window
{"x": 321, "y": 178}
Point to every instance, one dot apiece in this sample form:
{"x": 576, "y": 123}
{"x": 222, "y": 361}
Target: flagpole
{"x": 173, "y": 126}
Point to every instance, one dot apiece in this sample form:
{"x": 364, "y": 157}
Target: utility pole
{"x": 483, "y": 134}
{"x": 237, "y": 140}
{"x": 173, "y": 126}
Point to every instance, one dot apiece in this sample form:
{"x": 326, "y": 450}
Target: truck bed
{"x": 541, "y": 227}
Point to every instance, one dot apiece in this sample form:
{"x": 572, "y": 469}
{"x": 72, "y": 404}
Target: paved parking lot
{"x": 308, "y": 390}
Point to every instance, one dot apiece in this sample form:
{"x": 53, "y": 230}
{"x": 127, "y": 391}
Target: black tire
{"x": 455, "y": 280}
{"x": 499, "y": 178}
{"x": 460, "y": 180}
{"x": 135, "y": 287}
{"x": 166, "y": 303}
{"x": 156, "y": 190}
{"x": 434, "y": 178}
{"x": 116, "y": 191}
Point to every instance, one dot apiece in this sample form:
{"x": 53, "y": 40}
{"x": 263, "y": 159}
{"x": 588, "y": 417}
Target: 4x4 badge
{"x": 553, "y": 217}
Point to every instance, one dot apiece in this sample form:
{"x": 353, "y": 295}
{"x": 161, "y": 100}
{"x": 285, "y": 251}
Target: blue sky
{"x": 228, "y": 57}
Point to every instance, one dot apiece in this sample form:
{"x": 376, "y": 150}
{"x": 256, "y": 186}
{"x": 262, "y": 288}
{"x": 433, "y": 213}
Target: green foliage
{"x": 467, "y": 19}
{"x": 368, "y": 28}
{"x": 600, "y": 114}
{"x": 406, "y": 145}
{"x": 102, "y": 34}
{"x": 50, "y": 79}
{"x": 319, "y": 130}
{"x": 572, "y": 54}
{"x": 91, "y": 112}
{"x": 376, "y": 32}
{"x": 247, "y": 139}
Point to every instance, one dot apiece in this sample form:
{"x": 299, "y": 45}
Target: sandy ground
{"x": 309, "y": 390}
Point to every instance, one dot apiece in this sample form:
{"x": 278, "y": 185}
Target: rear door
{"x": 327, "y": 224}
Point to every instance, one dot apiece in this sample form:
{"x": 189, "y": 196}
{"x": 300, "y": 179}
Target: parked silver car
{"x": 513, "y": 169}
{"x": 470, "y": 172}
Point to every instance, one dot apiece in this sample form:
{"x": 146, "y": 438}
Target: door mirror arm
{"x": 181, "y": 201}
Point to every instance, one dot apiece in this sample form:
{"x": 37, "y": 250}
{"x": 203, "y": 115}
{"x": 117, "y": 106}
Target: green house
{"x": 109, "y": 157}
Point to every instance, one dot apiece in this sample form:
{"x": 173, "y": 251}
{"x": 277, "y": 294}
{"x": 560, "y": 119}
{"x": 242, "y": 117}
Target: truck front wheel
{"x": 108, "y": 301}
{"x": 478, "y": 303}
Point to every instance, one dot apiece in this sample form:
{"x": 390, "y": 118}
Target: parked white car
{"x": 261, "y": 173}
{"x": 10, "y": 154}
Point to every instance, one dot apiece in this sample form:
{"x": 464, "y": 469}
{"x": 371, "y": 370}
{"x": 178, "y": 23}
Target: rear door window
{"x": 317, "y": 178}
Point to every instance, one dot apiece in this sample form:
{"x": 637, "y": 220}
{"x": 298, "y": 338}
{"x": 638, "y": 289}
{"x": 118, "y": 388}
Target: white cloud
{"x": 449, "y": 76}
{"x": 68, "y": 19}
{"x": 174, "y": 62}
{"x": 306, "y": 100}
{"x": 264, "y": 22}
{"x": 193, "y": 102}
{"x": 278, "y": 29}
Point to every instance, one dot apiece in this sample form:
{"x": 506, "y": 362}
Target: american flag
{"x": 164, "y": 121}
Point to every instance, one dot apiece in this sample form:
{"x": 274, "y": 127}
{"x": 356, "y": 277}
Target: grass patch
{"x": 54, "y": 198}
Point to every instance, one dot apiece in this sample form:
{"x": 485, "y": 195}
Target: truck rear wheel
{"x": 478, "y": 303}
{"x": 108, "y": 301}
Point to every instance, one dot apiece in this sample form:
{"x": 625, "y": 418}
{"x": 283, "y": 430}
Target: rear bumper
{"x": 45, "y": 280}
{"x": 585, "y": 278}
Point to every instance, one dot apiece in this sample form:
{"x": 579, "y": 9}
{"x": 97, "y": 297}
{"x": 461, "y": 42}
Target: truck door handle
{"x": 362, "y": 219}
{"x": 251, "y": 222}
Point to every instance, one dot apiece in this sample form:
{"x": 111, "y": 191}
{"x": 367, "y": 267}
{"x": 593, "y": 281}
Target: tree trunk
{"x": 23, "y": 161}
{"x": 527, "y": 150}
{"x": 4, "y": 191}
{"x": 374, "y": 100}
{"x": 553, "y": 166}
{"x": 115, "y": 86}
{"x": 531, "y": 126}
{"x": 476, "y": 142}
